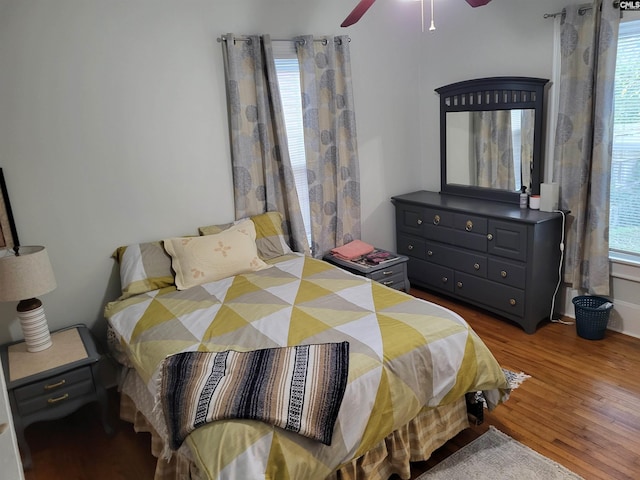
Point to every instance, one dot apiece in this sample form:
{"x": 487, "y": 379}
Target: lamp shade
{"x": 26, "y": 275}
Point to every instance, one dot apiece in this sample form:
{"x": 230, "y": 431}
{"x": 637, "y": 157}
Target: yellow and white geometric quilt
{"x": 405, "y": 353}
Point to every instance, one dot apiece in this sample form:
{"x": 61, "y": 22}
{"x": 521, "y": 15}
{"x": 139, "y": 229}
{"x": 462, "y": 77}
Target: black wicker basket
{"x": 592, "y": 316}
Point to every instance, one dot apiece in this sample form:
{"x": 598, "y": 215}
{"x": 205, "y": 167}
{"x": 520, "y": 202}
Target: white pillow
{"x": 198, "y": 260}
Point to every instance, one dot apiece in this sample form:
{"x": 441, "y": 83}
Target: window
{"x": 288, "y": 71}
{"x": 624, "y": 216}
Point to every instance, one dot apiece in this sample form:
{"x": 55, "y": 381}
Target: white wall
{"x": 113, "y": 124}
{"x": 113, "y": 115}
{"x": 502, "y": 38}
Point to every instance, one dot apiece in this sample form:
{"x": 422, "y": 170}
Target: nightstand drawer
{"x": 50, "y": 392}
{"x": 388, "y": 273}
{"x": 394, "y": 281}
{"x": 53, "y": 400}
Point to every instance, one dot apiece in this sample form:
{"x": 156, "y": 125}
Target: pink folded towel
{"x": 353, "y": 249}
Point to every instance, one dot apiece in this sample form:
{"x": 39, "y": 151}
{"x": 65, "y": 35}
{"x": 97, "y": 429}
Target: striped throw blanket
{"x": 297, "y": 388}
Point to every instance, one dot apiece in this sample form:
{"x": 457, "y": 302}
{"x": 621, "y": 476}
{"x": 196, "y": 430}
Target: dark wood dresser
{"x": 491, "y": 254}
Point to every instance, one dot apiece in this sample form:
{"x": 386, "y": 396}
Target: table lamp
{"x": 23, "y": 276}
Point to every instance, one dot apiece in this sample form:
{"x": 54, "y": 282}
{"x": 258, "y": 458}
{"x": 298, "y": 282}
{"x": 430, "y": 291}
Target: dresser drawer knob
{"x": 410, "y": 247}
{"x": 476, "y": 266}
{"x": 55, "y": 385}
{"x": 388, "y": 283}
{"x": 445, "y": 279}
{"x": 503, "y": 274}
{"x": 490, "y": 236}
{"x": 419, "y": 221}
{"x": 512, "y": 302}
{"x": 430, "y": 253}
{"x": 436, "y": 220}
{"x": 469, "y": 226}
{"x": 459, "y": 284}
{"x": 58, "y": 399}
{"x": 387, "y": 273}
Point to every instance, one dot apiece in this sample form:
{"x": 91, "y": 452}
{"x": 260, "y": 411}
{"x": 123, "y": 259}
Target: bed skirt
{"x": 414, "y": 442}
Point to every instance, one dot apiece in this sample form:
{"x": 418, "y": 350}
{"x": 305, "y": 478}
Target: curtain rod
{"x": 223, "y": 38}
{"x": 581, "y": 11}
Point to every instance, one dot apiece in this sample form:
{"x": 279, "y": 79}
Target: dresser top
{"x": 488, "y": 208}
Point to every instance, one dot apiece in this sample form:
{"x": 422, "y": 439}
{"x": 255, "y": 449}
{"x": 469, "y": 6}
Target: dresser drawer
{"x": 430, "y": 274}
{"x": 457, "y": 236}
{"x": 457, "y": 259}
{"x": 54, "y": 391}
{"x": 508, "y": 240}
{"x": 414, "y": 219}
{"x": 439, "y": 218}
{"x": 502, "y": 297}
{"x": 470, "y": 223}
{"x": 508, "y": 273}
{"x": 410, "y": 246}
{"x": 473, "y": 241}
{"x": 409, "y": 218}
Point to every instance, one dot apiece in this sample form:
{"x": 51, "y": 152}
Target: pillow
{"x": 143, "y": 267}
{"x": 270, "y": 238}
{"x": 198, "y": 260}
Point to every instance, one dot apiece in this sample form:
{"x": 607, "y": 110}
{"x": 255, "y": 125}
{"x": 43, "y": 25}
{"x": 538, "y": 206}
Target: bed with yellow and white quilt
{"x": 410, "y": 362}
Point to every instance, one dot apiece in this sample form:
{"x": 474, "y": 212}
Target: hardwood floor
{"x": 77, "y": 448}
{"x": 581, "y": 408}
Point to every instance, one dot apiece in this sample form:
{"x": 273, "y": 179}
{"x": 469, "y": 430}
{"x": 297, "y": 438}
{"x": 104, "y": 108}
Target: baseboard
{"x": 624, "y": 318}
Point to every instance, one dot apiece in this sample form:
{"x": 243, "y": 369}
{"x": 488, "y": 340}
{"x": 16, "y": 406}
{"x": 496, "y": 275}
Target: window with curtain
{"x": 624, "y": 215}
{"x": 288, "y": 70}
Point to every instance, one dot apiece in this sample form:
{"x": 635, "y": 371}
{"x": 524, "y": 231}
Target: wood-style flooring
{"x": 581, "y": 408}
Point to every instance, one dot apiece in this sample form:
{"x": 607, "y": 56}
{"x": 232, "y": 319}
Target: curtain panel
{"x": 583, "y": 143}
{"x": 527, "y": 129}
{"x": 493, "y": 149}
{"x": 330, "y": 141}
{"x": 262, "y": 175}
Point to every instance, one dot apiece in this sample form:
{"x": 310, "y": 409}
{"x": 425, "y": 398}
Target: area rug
{"x": 497, "y": 456}
{"x": 515, "y": 379}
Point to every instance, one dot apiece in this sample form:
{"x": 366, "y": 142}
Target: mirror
{"x": 490, "y": 149}
{"x": 491, "y": 137}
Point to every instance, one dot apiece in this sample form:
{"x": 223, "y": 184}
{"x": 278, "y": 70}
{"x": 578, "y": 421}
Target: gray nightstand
{"x": 392, "y": 272}
{"x": 52, "y": 383}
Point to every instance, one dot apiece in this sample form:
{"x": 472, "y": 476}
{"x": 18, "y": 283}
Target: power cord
{"x": 553, "y": 301}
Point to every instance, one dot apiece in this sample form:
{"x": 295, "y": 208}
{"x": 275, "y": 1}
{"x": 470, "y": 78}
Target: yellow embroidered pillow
{"x": 270, "y": 238}
{"x": 198, "y": 260}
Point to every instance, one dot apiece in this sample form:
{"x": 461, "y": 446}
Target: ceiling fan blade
{"x": 477, "y": 3}
{"x": 357, "y": 12}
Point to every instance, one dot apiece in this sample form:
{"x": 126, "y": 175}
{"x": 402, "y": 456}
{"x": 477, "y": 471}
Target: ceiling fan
{"x": 364, "y": 5}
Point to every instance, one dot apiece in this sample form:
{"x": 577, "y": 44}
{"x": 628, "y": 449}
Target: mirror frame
{"x": 486, "y": 94}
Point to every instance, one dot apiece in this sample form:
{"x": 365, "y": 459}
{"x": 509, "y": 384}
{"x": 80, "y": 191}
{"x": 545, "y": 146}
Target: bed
{"x": 410, "y": 362}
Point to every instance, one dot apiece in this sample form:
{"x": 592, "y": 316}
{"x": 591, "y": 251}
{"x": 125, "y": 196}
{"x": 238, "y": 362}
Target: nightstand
{"x": 53, "y": 383}
{"x": 392, "y": 272}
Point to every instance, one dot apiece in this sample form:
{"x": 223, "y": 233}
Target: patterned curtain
{"x": 493, "y": 149}
{"x": 584, "y": 133}
{"x": 330, "y": 141}
{"x": 262, "y": 174}
{"x": 527, "y": 127}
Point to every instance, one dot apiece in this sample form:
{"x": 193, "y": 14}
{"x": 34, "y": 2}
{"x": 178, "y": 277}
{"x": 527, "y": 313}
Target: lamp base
{"x": 34, "y": 325}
